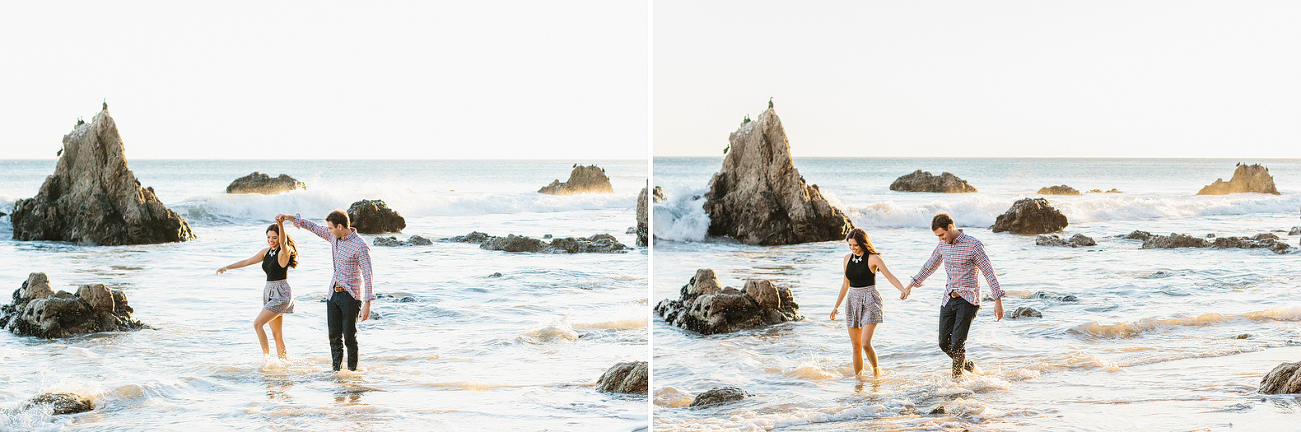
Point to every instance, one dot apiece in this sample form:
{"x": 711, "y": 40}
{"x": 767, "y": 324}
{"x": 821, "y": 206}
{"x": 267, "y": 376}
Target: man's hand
{"x": 365, "y": 311}
{"x": 998, "y": 309}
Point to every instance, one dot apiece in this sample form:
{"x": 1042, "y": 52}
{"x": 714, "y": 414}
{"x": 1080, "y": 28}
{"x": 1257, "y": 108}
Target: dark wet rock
{"x": 759, "y": 198}
{"x": 1294, "y": 231}
{"x": 598, "y": 243}
{"x": 1246, "y": 179}
{"x": 1025, "y": 312}
{"x": 547, "y": 236}
{"x": 264, "y": 184}
{"x": 93, "y": 198}
{"x": 61, "y": 403}
{"x": 719, "y": 396}
{"x": 1055, "y": 240}
{"x": 583, "y": 179}
{"x": 1138, "y": 235}
{"x": 1211, "y": 235}
{"x": 642, "y": 226}
{"x": 374, "y": 217}
{"x": 938, "y": 411}
{"x": 924, "y": 181}
{"x": 658, "y": 195}
{"x": 396, "y": 297}
{"x": 415, "y": 240}
{"x": 1243, "y": 336}
{"x": 3, "y": 214}
{"x": 1059, "y": 190}
{"x": 1174, "y": 240}
{"x": 495, "y": 275}
{"x": 39, "y": 311}
{"x": 626, "y": 377}
{"x": 472, "y": 237}
{"x": 1030, "y": 216}
{"x": 705, "y": 306}
{"x": 631, "y": 230}
{"x": 1284, "y": 379}
{"x": 514, "y": 243}
{"x": 1045, "y": 295}
{"x": 1260, "y": 241}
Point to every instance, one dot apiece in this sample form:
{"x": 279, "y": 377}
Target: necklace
{"x": 856, "y": 258}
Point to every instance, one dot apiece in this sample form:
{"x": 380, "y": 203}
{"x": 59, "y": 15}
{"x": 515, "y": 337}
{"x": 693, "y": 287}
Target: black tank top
{"x": 271, "y": 265}
{"x": 859, "y": 273}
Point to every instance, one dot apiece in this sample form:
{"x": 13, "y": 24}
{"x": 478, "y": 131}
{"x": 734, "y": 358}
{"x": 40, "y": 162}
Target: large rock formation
{"x": 93, "y": 198}
{"x": 1246, "y": 178}
{"x": 1030, "y": 216}
{"x": 1059, "y": 190}
{"x": 759, "y": 198}
{"x": 923, "y": 181}
{"x": 597, "y": 243}
{"x": 1284, "y": 379}
{"x": 706, "y": 307}
{"x": 39, "y": 311}
{"x": 264, "y": 184}
{"x": 583, "y": 179}
{"x": 374, "y": 217}
{"x": 643, "y": 228}
{"x": 626, "y": 377}
{"x": 1055, "y": 240}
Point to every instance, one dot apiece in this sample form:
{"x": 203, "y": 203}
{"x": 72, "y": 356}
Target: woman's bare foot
{"x": 284, "y": 355}
{"x": 876, "y": 372}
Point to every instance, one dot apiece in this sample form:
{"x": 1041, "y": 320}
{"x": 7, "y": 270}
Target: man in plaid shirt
{"x": 962, "y": 255}
{"x": 346, "y": 297}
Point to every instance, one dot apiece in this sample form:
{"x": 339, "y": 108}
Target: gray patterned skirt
{"x": 277, "y": 297}
{"x": 863, "y": 307}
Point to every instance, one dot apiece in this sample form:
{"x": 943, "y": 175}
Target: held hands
{"x": 907, "y": 291}
{"x": 281, "y": 218}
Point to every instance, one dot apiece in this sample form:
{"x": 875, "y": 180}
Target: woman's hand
{"x": 833, "y": 313}
{"x": 905, "y": 293}
{"x": 221, "y": 270}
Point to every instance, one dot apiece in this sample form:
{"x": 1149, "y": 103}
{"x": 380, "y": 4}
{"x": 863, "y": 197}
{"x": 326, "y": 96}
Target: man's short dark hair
{"x": 941, "y": 220}
{"x": 338, "y": 217}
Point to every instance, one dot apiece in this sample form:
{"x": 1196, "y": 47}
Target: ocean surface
{"x": 1159, "y": 339}
{"x": 521, "y": 351}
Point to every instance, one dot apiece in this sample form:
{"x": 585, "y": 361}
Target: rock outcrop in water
{"x": 643, "y": 227}
{"x": 706, "y": 307}
{"x": 1176, "y": 240}
{"x": 659, "y": 195}
{"x": 1055, "y": 240}
{"x": 1113, "y": 190}
{"x": 626, "y": 377}
{"x": 923, "y": 181}
{"x": 759, "y": 198}
{"x": 1284, "y": 379}
{"x": 374, "y": 217}
{"x": 1059, "y": 190}
{"x": 583, "y": 179}
{"x": 598, "y": 243}
{"x": 39, "y": 311}
{"x": 1025, "y": 312}
{"x": 1031, "y": 216}
{"x": 719, "y": 396}
{"x": 93, "y": 198}
{"x": 1246, "y": 178}
{"x": 60, "y": 403}
{"x": 415, "y": 240}
{"x": 264, "y": 184}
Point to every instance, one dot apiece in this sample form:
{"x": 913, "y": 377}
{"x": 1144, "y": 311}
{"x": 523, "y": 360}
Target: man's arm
{"x": 995, "y": 291}
{"x": 368, "y": 294}
{"x": 301, "y": 223}
{"x": 928, "y": 268}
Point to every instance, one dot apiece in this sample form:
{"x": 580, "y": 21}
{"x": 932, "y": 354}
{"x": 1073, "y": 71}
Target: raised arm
{"x": 844, "y": 287}
{"x": 875, "y": 260}
{"x": 285, "y": 253}
{"x": 257, "y": 258}
{"x": 927, "y": 268}
{"x": 301, "y": 223}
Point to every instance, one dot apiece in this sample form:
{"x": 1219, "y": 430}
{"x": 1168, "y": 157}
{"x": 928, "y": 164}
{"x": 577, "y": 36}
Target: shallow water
{"x": 1151, "y": 344}
{"x": 520, "y": 351}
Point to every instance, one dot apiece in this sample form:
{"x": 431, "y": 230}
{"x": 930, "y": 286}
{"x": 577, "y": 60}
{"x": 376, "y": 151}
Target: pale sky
{"x": 329, "y": 80}
{"x": 983, "y": 79}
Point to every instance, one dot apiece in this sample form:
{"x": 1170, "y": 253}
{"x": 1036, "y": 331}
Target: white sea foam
{"x": 682, "y": 216}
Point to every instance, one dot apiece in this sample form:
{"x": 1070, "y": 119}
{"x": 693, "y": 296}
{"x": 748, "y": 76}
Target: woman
{"x": 277, "y": 298}
{"x": 863, "y": 312}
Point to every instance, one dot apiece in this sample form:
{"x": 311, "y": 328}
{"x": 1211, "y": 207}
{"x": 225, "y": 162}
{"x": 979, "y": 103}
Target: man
{"x": 346, "y": 298}
{"x": 961, "y": 255}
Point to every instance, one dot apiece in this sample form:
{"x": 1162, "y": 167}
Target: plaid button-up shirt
{"x": 961, "y": 260}
{"x": 351, "y": 260}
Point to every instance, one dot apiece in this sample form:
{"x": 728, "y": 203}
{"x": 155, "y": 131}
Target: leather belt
{"x": 954, "y": 294}
{"x": 338, "y": 288}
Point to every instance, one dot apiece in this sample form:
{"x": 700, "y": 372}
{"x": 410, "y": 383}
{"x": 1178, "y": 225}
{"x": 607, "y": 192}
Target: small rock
{"x": 704, "y": 306}
{"x": 1055, "y": 240}
{"x": 937, "y": 411}
{"x": 626, "y": 377}
{"x": 546, "y": 236}
{"x": 63, "y": 403}
{"x": 1243, "y": 336}
{"x": 1284, "y": 379}
{"x": 1294, "y": 231}
{"x": 719, "y": 396}
{"x": 495, "y": 275}
{"x": 1139, "y": 235}
{"x": 472, "y": 237}
{"x": 1059, "y": 190}
{"x": 1025, "y": 312}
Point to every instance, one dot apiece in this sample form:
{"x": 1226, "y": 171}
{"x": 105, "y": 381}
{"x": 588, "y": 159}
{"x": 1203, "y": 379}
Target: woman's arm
{"x": 248, "y": 262}
{"x": 283, "y": 258}
{"x": 844, "y": 287}
{"x": 880, "y": 267}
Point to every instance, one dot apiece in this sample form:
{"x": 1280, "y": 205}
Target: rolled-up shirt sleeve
{"x": 320, "y": 231}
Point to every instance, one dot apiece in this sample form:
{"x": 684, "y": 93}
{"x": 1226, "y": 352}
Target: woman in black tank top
{"x": 277, "y": 297}
{"x": 863, "y": 311}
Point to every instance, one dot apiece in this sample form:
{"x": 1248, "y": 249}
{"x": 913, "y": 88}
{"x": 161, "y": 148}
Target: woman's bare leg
{"x": 868, "y": 330}
{"x": 854, "y": 334}
{"x": 277, "y": 332}
{"x": 262, "y": 318}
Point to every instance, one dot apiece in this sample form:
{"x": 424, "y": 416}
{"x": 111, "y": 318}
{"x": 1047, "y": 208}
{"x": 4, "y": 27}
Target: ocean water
{"x": 517, "y": 352}
{"x": 1152, "y": 344}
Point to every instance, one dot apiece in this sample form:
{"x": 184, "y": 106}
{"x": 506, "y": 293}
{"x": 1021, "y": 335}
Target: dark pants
{"x": 341, "y": 313}
{"x": 955, "y": 321}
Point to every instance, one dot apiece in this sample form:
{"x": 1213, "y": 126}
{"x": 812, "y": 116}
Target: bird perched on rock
{"x": 80, "y": 121}
{"x": 59, "y": 153}
{"x": 106, "y": 104}
{"x": 769, "y": 103}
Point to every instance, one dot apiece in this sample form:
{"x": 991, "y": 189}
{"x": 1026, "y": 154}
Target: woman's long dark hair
{"x": 289, "y": 243}
{"x": 859, "y": 236}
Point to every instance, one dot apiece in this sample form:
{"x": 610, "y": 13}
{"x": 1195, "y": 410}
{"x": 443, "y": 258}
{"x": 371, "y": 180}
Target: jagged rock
{"x": 1055, "y": 240}
{"x": 1294, "y": 231}
{"x": 626, "y": 377}
{"x": 1059, "y": 190}
{"x": 1243, "y": 336}
{"x": 1045, "y": 295}
{"x": 1025, "y": 312}
{"x": 39, "y": 311}
{"x": 759, "y": 198}
{"x": 583, "y": 179}
{"x": 61, "y": 403}
{"x": 1264, "y": 240}
{"x": 93, "y": 198}
{"x": 1246, "y": 178}
{"x": 719, "y": 396}
{"x": 415, "y": 240}
{"x": 374, "y": 217}
{"x": 643, "y": 226}
{"x": 1174, "y": 241}
{"x": 1139, "y": 235}
{"x": 396, "y": 297}
{"x": 1031, "y": 216}
{"x": 923, "y": 181}
{"x": 659, "y": 195}
{"x": 495, "y": 275}
{"x": 472, "y": 237}
{"x": 514, "y": 243}
{"x": 264, "y": 184}
{"x": 706, "y": 307}
{"x": 1284, "y": 379}
{"x": 598, "y": 243}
